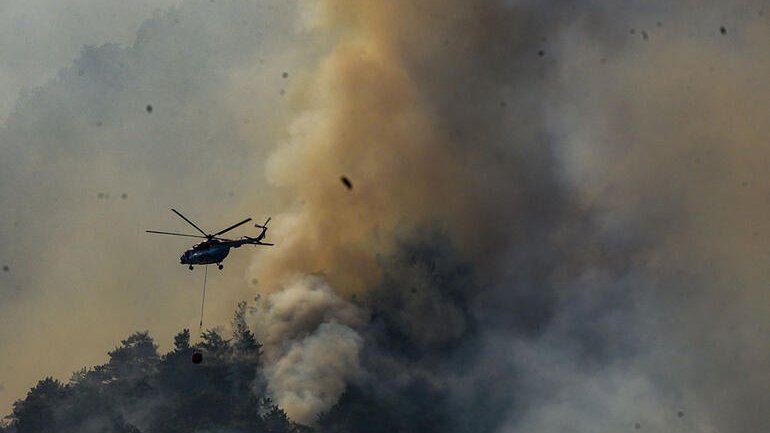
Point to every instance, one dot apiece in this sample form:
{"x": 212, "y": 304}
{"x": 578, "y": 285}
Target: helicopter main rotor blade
{"x": 232, "y": 227}
{"x": 226, "y": 240}
{"x": 190, "y": 222}
{"x": 175, "y": 234}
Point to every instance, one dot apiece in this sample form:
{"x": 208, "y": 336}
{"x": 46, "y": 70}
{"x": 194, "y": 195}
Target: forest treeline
{"x": 140, "y": 390}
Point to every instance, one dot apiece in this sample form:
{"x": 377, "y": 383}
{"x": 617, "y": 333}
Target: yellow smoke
{"x": 364, "y": 115}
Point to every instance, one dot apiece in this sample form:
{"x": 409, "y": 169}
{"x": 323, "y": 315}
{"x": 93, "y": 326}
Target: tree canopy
{"x": 139, "y": 390}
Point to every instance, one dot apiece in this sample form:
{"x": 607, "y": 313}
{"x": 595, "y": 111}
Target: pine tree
{"x": 244, "y": 341}
{"x": 182, "y": 341}
{"x": 37, "y": 413}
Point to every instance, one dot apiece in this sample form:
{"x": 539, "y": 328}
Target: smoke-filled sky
{"x": 559, "y": 220}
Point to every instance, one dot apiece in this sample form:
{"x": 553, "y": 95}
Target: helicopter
{"x": 214, "y": 249}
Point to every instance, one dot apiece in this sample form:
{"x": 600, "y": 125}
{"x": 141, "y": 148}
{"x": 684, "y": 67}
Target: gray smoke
{"x": 590, "y": 182}
{"x": 558, "y": 218}
{"x": 314, "y": 371}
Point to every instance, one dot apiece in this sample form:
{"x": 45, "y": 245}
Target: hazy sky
{"x": 559, "y": 213}
{"x": 85, "y": 167}
{"x": 38, "y": 38}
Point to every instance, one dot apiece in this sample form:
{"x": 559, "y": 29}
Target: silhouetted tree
{"x": 244, "y": 341}
{"x": 182, "y": 341}
{"x": 37, "y": 413}
{"x": 214, "y": 344}
{"x": 162, "y": 394}
{"x": 135, "y": 358}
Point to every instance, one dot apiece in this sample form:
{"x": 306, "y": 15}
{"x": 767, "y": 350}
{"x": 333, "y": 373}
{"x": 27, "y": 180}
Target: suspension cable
{"x": 203, "y": 298}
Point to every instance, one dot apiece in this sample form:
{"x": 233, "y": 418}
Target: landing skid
{"x": 219, "y": 265}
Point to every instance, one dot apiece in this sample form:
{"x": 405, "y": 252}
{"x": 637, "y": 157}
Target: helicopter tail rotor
{"x": 263, "y": 226}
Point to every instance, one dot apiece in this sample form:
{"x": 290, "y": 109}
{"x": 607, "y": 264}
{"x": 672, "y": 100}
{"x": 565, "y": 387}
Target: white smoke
{"x": 311, "y": 347}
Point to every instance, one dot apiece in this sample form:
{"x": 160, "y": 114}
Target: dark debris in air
{"x": 346, "y": 182}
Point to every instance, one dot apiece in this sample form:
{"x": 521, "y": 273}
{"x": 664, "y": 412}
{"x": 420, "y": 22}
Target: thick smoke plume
{"x": 556, "y": 216}
{"x": 558, "y": 211}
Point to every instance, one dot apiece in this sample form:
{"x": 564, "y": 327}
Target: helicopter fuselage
{"x": 205, "y": 254}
